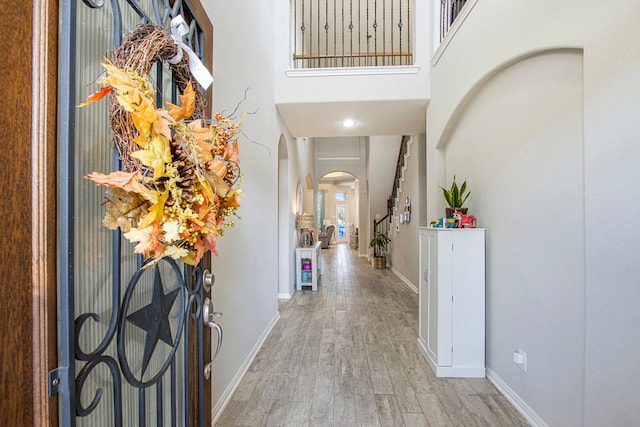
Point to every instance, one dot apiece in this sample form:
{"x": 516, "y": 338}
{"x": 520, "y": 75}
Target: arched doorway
{"x": 338, "y": 204}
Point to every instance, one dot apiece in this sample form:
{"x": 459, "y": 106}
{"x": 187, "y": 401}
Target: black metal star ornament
{"x": 154, "y": 318}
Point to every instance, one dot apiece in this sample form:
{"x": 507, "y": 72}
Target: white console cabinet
{"x": 452, "y": 300}
{"x": 308, "y": 266}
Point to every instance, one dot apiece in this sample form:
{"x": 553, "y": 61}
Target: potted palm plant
{"x": 378, "y": 243}
{"x": 455, "y": 197}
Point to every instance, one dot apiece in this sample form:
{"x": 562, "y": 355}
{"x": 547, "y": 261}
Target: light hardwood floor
{"x": 346, "y": 355}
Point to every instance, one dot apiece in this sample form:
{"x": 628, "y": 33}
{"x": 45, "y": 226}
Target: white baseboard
{"x": 522, "y": 407}
{"x": 450, "y": 371}
{"x": 285, "y": 296}
{"x": 422, "y": 346}
{"x": 235, "y": 381}
{"x": 405, "y": 280}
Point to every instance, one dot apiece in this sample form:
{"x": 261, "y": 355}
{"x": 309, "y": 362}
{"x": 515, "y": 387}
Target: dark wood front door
{"x": 27, "y": 212}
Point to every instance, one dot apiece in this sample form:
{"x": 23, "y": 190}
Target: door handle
{"x": 208, "y": 314}
{"x": 209, "y": 366}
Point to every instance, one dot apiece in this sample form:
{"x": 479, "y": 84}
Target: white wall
{"x": 612, "y": 152}
{"x": 535, "y": 300}
{"x": 288, "y": 172}
{"x": 247, "y": 272}
{"x": 305, "y": 148}
{"x": 528, "y": 191}
{"x": 383, "y": 154}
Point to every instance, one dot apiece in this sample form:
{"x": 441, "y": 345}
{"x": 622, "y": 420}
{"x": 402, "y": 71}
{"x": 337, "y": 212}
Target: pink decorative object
{"x": 463, "y": 220}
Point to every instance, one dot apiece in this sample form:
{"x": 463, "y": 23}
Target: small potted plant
{"x": 455, "y": 197}
{"x": 378, "y": 243}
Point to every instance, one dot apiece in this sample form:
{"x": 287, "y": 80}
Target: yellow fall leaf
{"x": 157, "y": 153}
{"x": 156, "y": 211}
{"x": 207, "y": 191}
{"x": 144, "y": 131}
{"x": 191, "y": 258}
{"x": 135, "y": 95}
{"x": 145, "y": 109}
{"x": 187, "y": 99}
{"x": 117, "y": 77}
{"x": 177, "y": 252}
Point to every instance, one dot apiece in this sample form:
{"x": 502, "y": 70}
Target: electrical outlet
{"x": 520, "y": 359}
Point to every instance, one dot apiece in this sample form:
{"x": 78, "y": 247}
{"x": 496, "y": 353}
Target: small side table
{"x": 308, "y": 266}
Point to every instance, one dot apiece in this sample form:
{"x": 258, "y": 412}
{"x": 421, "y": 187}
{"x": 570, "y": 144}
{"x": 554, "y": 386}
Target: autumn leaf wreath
{"x": 179, "y": 185}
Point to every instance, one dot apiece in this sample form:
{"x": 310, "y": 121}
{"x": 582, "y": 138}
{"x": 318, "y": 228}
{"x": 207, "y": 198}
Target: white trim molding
{"x": 522, "y": 407}
{"x": 284, "y": 295}
{"x": 450, "y": 371}
{"x": 354, "y": 71}
{"x": 405, "y": 280}
{"x": 235, "y": 381}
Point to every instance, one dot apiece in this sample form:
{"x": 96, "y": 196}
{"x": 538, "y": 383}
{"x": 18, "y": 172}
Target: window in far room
{"x": 342, "y": 221}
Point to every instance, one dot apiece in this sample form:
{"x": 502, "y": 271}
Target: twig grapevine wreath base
{"x": 178, "y": 188}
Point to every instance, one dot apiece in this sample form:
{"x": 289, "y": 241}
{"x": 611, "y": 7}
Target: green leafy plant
{"x": 379, "y": 242}
{"x": 455, "y": 196}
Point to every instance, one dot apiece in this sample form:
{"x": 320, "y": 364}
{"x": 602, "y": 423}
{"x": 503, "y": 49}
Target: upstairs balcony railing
{"x": 352, "y": 33}
{"x": 449, "y": 11}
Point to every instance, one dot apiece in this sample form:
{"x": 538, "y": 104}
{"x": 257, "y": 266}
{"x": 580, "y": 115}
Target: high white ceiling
{"x": 406, "y": 117}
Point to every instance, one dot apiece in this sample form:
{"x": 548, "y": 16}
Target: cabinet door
{"x": 423, "y": 294}
{"x": 468, "y": 298}
{"x": 439, "y": 320}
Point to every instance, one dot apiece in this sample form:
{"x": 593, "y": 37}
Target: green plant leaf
{"x": 447, "y": 196}
{"x": 465, "y": 199}
{"x": 380, "y": 241}
{"x": 455, "y": 196}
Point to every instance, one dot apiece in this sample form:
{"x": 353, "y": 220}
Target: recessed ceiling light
{"x": 349, "y": 123}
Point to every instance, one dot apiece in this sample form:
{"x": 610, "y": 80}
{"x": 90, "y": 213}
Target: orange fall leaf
{"x": 128, "y": 181}
{"x": 97, "y": 95}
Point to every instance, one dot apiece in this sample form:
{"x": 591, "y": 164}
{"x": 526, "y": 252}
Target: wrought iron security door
{"x": 134, "y": 343}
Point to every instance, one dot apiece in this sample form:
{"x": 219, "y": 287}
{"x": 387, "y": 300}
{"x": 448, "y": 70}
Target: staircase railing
{"x": 449, "y": 11}
{"x": 379, "y": 224}
{"x": 399, "y": 165}
{"x": 352, "y": 33}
